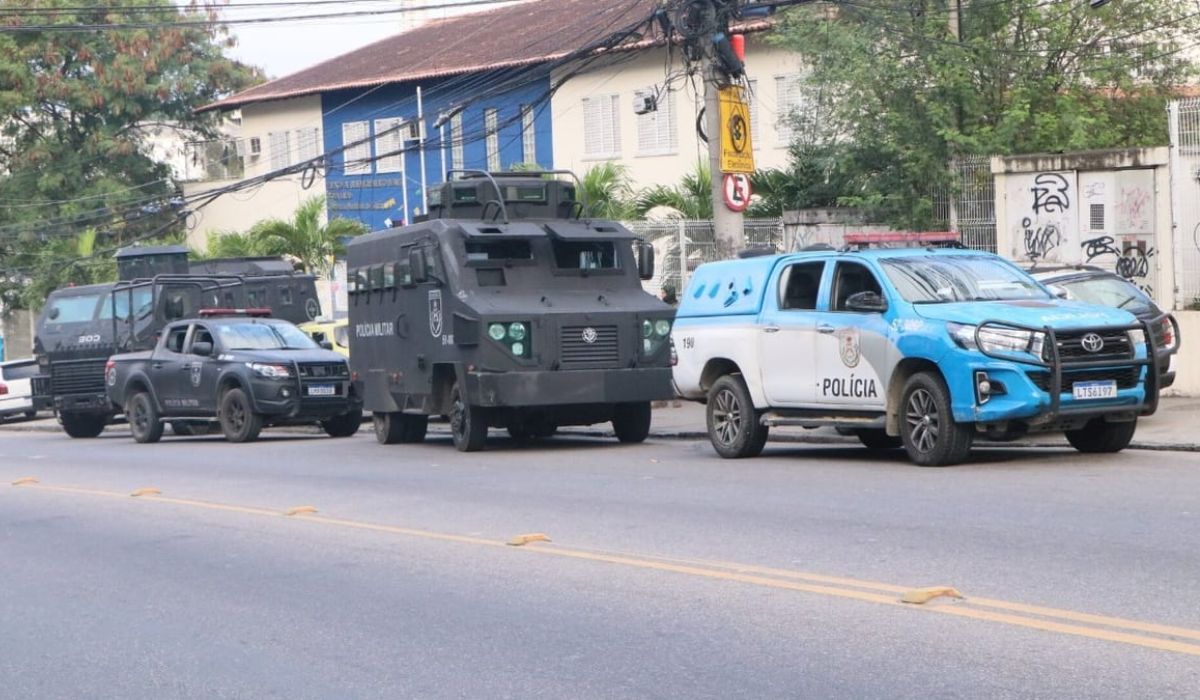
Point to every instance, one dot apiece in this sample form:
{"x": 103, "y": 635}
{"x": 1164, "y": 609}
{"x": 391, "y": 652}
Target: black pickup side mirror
{"x": 202, "y": 348}
{"x": 869, "y": 302}
{"x": 645, "y": 261}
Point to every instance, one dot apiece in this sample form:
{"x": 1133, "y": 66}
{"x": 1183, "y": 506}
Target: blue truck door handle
{"x": 825, "y": 329}
{"x": 771, "y": 329}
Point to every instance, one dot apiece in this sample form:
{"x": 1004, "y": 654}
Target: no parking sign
{"x": 737, "y": 191}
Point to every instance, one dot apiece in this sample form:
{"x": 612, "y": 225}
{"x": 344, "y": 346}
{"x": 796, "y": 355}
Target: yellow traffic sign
{"x": 737, "y": 153}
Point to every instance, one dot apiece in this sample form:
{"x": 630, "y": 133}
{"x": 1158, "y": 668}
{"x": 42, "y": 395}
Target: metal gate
{"x": 680, "y": 246}
{"x": 1185, "y": 199}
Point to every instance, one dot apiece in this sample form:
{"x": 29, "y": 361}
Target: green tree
{"x": 905, "y": 95}
{"x": 304, "y": 237}
{"x": 608, "y": 192}
{"x": 231, "y": 244}
{"x": 73, "y": 107}
{"x": 691, "y": 198}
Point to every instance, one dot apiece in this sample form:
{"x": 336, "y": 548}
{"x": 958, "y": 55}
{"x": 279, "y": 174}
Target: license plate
{"x": 324, "y": 390}
{"x": 1094, "y": 390}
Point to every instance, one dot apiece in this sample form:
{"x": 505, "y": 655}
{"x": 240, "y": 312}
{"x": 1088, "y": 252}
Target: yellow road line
{"x": 785, "y": 579}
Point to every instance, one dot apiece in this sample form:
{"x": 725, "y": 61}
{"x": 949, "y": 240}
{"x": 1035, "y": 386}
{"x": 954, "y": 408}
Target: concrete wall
{"x": 763, "y": 64}
{"x": 1110, "y": 209}
{"x": 16, "y": 327}
{"x": 1187, "y": 362}
{"x": 276, "y": 199}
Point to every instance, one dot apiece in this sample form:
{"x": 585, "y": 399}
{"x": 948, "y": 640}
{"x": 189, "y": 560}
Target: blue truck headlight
{"x": 1137, "y": 339}
{"x": 996, "y": 339}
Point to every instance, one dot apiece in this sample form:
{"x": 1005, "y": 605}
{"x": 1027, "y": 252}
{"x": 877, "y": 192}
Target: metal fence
{"x": 969, "y": 204}
{"x": 1185, "y": 199}
{"x": 683, "y": 245}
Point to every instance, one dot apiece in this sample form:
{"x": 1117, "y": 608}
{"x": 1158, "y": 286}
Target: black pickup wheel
{"x": 239, "y": 422}
{"x": 344, "y": 425}
{"x": 143, "y": 418}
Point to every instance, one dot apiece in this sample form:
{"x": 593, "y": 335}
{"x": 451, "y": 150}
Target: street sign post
{"x": 737, "y": 153}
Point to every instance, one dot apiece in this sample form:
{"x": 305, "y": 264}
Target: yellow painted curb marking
{"x": 146, "y": 491}
{"x": 520, "y": 540}
{"x": 300, "y": 510}
{"x": 757, "y": 575}
{"x": 920, "y": 596}
{"x": 25, "y": 480}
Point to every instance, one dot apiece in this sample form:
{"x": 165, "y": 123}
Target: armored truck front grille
{"x": 604, "y": 347}
{"x": 78, "y": 377}
{"x": 1116, "y": 346}
{"x": 324, "y": 370}
{"x": 1126, "y": 378}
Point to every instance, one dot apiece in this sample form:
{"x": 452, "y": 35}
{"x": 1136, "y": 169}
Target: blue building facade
{"x": 379, "y": 180}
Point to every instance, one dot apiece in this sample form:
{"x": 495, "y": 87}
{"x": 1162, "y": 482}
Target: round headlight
{"x": 662, "y": 327}
{"x": 647, "y": 328}
{"x": 497, "y": 331}
{"x": 516, "y": 331}
{"x": 518, "y": 348}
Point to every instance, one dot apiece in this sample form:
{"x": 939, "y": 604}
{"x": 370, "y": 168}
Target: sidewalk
{"x": 1173, "y": 427}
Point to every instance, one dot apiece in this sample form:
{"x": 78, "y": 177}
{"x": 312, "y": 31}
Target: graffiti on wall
{"x": 1051, "y": 193}
{"x": 1133, "y": 209}
{"x": 1040, "y": 241}
{"x": 1043, "y": 212}
{"x": 1131, "y": 261}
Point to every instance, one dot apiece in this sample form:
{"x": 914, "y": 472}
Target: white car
{"x": 16, "y": 392}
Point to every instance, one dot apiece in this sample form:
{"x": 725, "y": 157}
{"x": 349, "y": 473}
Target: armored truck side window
{"x": 850, "y": 279}
{"x": 799, "y": 284}
{"x": 480, "y": 251}
{"x": 586, "y": 255}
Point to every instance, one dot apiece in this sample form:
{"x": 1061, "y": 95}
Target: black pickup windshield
{"x": 263, "y": 336}
{"x": 933, "y": 280}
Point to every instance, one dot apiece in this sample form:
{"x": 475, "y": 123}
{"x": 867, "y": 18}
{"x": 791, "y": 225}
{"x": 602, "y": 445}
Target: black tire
{"x": 878, "y": 439}
{"x": 31, "y": 414}
{"x": 143, "y": 418}
{"x": 930, "y": 435}
{"x": 239, "y": 422}
{"x": 343, "y": 426}
{"x": 631, "y": 421}
{"x": 468, "y": 424}
{"x": 1098, "y": 436}
{"x": 733, "y": 426}
{"x": 391, "y": 428}
{"x": 83, "y": 425}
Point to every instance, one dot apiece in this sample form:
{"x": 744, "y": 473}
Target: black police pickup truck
{"x": 244, "y": 370}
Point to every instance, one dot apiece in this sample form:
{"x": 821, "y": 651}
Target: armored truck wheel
{"x": 391, "y": 428}
{"x": 878, "y": 439}
{"x": 468, "y": 424}
{"x": 1098, "y": 436}
{"x": 143, "y": 418}
{"x": 83, "y": 425}
{"x": 344, "y": 425}
{"x": 631, "y": 421}
{"x": 239, "y": 422}
{"x": 931, "y": 437}
{"x": 733, "y": 426}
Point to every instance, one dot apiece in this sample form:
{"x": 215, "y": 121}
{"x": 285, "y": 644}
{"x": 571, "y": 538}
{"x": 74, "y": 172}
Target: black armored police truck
{"x": 80, "y": 327}
{"x": 506, "y": 307}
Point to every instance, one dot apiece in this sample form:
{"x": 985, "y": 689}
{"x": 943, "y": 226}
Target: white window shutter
{"x": 356, "y": 154}
{"x": 389, "y": 144}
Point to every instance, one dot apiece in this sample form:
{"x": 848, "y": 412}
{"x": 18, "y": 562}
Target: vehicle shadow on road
{"x": 1014, "y": 456}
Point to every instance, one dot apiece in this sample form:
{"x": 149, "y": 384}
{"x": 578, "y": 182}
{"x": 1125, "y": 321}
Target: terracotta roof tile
{"x": 525, "y": 33}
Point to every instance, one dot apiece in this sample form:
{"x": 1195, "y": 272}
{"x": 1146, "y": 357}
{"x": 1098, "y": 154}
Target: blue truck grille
{"x": 575, "y": 349}
{"x": 1126, "y": 377}
{"x": 1116, "y": 346}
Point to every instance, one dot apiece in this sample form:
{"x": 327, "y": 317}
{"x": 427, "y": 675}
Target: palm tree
{"x": 690, "y": 199}
{"x": 231, "y": 244}
{"x": 607, "y": 191}
{"x": 305, "y": 239}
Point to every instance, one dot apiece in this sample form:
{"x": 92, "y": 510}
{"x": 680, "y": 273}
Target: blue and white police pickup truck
{"x": 920, "y": 348}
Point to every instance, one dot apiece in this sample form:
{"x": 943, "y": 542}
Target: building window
{"x": 789, "y": 98}
{"x": 657, "y": 134}
{"x": 601, "y": 129}
{"x": 751, "y": 94}
{"x": 457, "y": 157}
{"x": 308, "y": 144}
{"x": 528, "y": 135}
{"x": 280, "y": 145}
{"x": 389, "y": 145}
{"x": 356, "y": 144}
{"x": 491, "y": 125}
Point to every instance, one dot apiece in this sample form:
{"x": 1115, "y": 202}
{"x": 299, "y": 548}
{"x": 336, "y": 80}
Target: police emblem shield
{"x": 848, "y": 346}
{"x": 435, "y": 312}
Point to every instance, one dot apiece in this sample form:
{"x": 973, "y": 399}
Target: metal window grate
{"x": 1096, "y": 216}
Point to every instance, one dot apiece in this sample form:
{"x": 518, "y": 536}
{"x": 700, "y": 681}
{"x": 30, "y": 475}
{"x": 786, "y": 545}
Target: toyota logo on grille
{"x": 589, "y": 335}
{"x": 1092, "y": 342}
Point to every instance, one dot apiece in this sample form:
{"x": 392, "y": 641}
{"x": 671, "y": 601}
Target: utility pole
{"x": 728, "y": 226}
{"x": 955, "y": 18}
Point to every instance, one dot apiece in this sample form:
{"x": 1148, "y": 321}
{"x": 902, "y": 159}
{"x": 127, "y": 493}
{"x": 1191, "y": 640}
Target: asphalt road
{"x": 670, "y": 573}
